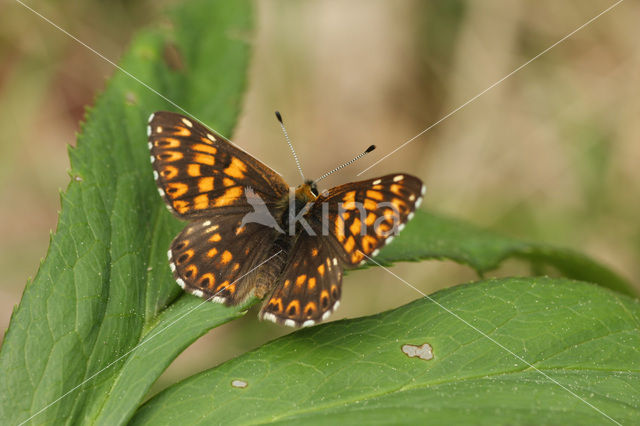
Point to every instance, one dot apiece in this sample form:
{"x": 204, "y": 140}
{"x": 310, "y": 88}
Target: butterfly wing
{"x": 364, "y": 216}
{"x": 310, "y": 286}
{"x": 200, "y": 173}
{"x": 223, "y": 260}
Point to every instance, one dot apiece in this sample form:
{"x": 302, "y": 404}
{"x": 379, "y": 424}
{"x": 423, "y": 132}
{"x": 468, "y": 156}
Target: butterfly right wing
{"x": 364, "y": 216}
{"x": 200, "y": 173}
{"x": 309, "y": 289}
{"x": 223, "y": 260}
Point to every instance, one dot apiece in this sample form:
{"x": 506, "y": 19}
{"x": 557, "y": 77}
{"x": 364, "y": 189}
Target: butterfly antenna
{"x": 368, "y": 150}
{"x": 286, "y": 135}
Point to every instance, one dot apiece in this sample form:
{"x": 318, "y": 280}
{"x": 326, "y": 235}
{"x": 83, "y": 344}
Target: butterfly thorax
{"x": 295, "y": 202}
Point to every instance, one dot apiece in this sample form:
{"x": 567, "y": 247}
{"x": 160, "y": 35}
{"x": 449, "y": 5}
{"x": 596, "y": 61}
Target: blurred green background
{"x": 550, "y": 154}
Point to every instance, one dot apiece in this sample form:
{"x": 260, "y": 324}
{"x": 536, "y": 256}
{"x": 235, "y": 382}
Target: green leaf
{"x": 105, "y": 286}
{"x": 584, "y": 337}
{"x": 431, "y": 236}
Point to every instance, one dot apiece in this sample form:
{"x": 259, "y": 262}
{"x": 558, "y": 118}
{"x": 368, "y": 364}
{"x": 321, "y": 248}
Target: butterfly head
{"x": 307, "y": 192}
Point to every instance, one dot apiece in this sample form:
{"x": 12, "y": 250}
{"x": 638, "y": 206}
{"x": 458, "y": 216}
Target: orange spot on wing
{"x": 382, "y": 229}
{"x": 228, "y": 182}
{"x": 395, "y": 188}
{"x": 321, "y": 270}
{"x": 213, "y": 251}
{"x": 210, "y": 278}
{"x": 324, "y": 299}
{"x": 167, "y": 143}
{"x": 314, "y": 252}
{"x": 349, "y": 244}
{"x": 193, "y": 170}
{"x": 356, "y": 257}
{"x": 339, "y": 229}
{"x": 170, "y": 156}
{"x": 201, "y": 202}
{"x": 215, "y": 238}
{"x": 209, "y": 160}
{"x": 205, "y": 184}
{"x": 204, "y": 148}
{"x": 222, "y": 286}
{"x": 184, "y": 257}
{"x": 399, "y": 204}
{"x": 309, "y": 309}
{"x": 375, "y": 195}
{"x": 293, "y": 308}
{"x": 348, "y": 201}
{"x": 355, "y": 226}
{"x": 334, "y": 291}
{"x": 369, "y": 243}
{"x": 169, "y": 172}
{"x": 229, "y": 196}
{"x": 276, "y": 302}
{"x": 181, "y": 206}
{"x": 369, "y": 204}
{"x": 311, "y": 284}
{"x": 226, "y": 257}
{"x": 191, "y": 270}
{"x": 389, "y": 215}
{"x": 370, "y": 220}
{"x": 182, "y": 131}
{"x": 236, "y": 169}
{"x": 301, "y": 279}
{"x": 176, "y": 189}
{"x": 349, "y": 196}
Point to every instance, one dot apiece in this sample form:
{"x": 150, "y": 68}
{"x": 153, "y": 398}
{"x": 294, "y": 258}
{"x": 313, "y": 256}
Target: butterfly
{"x": 249, "y": 233}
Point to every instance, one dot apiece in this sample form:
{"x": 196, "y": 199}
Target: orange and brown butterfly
{"x": 240, "y": 239}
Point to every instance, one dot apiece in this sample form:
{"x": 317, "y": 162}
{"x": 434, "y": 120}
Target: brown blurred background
{"x": 550, "y": 154}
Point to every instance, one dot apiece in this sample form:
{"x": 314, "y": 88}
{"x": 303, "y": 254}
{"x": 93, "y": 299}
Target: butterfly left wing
{"x": 224, "y": 260}
{"x": 309, "y": 288}
{"x": 364, "y": 216}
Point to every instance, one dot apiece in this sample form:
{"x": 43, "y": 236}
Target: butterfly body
{"x": 249, "y": 233}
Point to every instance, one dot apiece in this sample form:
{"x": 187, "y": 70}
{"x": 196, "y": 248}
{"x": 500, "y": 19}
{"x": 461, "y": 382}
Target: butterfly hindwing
{"x": 364, "y": 216}
{"x": 219, "y": 258}
{"x": 200, "y": 173}
{"x": 310, "y": 286}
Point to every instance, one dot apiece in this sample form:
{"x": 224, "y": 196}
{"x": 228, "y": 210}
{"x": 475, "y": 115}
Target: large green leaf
{"x": 584, "y": 338}
{"x": 432, "y": 236}
{"x": 105, "y": 286}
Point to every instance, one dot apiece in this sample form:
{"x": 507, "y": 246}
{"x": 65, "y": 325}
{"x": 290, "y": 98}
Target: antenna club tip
{"x": 371, "y": 148}
{"x": 278, "y": 116}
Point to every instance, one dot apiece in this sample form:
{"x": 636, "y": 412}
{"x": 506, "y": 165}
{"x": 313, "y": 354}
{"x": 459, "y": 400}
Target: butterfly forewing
{"x": 198, "y": 172}
{"x": 364, "y": 216}
{"x": 310, "y": 286}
